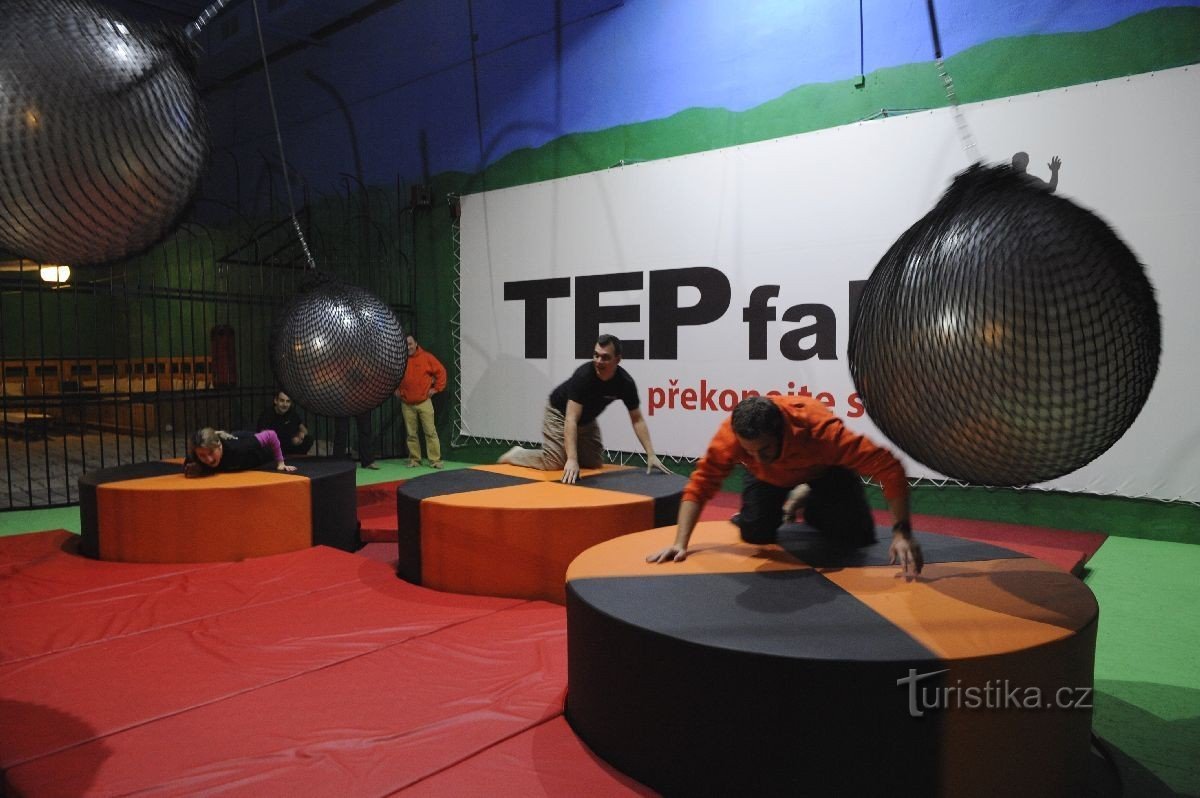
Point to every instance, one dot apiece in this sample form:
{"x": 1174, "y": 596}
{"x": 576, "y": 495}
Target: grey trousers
{"x": 553, "y": 454}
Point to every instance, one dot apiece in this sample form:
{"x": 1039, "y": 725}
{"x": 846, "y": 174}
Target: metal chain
{"x": 960, "y": 120}
{"x": 964, "y": 132}
{"x": 206, "y": 16}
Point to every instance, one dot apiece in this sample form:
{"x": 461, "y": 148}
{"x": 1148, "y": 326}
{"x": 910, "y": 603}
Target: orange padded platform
{"x": 779, "y": 669}
{"x": 150, "y": 513}
{"x": 508, "y": 531}
{"x": 224, "y": 517}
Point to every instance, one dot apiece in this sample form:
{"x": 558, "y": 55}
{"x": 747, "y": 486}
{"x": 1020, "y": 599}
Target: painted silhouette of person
{"x": 1020, "y": 163}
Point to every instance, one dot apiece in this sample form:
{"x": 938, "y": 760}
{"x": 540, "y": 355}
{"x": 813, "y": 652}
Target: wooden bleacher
{"x": 133, "y": 395}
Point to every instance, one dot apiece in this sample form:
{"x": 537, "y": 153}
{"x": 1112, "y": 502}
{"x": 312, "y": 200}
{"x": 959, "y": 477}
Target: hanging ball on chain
{"x": 1007, "y": 338}
{"x": 102, "y": 132}
{"x": 337, "y": 349}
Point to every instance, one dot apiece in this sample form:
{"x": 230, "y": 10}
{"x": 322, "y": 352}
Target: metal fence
{"x": 121, "y": 363}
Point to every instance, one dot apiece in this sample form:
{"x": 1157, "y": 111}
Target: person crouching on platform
{"x": 215, "y": 450}
{"x": 282, "y": 417}
{"x": 570, "y": 434}
{"x": 799, "y": 459}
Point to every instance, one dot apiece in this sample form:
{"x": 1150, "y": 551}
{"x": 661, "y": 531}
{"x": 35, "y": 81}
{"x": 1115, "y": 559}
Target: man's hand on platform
{"x": 571, "y": 472}
{"x": 689, "y": 514}
{"x": 671, "y": 553}
{"x": 652, "y": 462}
{"x": 907, "y": 553}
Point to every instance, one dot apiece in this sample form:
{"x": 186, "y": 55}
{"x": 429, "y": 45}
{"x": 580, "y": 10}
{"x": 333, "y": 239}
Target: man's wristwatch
{"x": 904, "y": 528}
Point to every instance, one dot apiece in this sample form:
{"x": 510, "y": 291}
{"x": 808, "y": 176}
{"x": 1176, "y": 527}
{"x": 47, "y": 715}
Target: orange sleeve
{"x": 713, "y": 467}
{"x": 859, "y": 453}
{"x": 438, "y": 372}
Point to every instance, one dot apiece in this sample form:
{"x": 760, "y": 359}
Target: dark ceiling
{"x": 229, "y": 39}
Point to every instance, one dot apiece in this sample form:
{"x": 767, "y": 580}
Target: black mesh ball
{"x": 1008, "y": 337}
{"x": 337, "y": 350}
{"x": 102, "y": 132}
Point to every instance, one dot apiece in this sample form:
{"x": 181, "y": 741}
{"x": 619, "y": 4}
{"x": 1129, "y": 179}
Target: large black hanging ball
{"x": 102, "y": 132}
{"x": 338, "y": 350}
{"x": 1008, "y": 337}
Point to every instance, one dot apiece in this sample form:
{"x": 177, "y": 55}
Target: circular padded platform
{"x": 500, "y": 530}
{"x": 804, "y": 669}
{"x": 149, "y": 512}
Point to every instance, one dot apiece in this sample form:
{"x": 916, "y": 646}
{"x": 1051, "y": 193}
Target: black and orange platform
{"x": 803, "y": 669}
{"x": 501, "y": 530}
{"x": 151, "y": 513}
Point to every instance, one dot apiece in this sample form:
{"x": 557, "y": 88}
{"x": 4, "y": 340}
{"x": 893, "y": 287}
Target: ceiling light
{"x": 55, "y": 274}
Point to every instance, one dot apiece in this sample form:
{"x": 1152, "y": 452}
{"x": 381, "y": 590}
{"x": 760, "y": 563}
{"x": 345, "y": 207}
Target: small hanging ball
{"x": 102, "y": 132}
{"x": 1007, "y": 338}
{"x": 338, "y": 350}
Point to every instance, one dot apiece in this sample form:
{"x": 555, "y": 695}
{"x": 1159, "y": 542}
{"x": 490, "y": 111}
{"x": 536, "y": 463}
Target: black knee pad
{"x": 759, "y": 534}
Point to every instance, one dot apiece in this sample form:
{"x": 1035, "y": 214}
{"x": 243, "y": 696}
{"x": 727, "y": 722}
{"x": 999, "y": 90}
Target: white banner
{"x": 731, "y": 270}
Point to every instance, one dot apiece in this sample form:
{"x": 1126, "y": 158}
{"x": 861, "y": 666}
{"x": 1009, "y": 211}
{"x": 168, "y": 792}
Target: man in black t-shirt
{"x": 282, "y": 417}
{"x": 570, "y": 434}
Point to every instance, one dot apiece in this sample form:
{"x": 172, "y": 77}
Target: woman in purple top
{"x": 216, "y": 450}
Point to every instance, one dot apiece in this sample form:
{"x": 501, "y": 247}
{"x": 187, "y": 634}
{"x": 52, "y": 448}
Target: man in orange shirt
{"x": 799, "y": 457}
{"x": 424, "y": 377}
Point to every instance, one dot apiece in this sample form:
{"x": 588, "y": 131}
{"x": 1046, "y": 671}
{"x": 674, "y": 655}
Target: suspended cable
{"x": 287, "y": 183}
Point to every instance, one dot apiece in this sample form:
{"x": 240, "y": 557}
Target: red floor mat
{"x": 313, "y": 672}
{"x": 377, "y": 523}
{"x": 44, "y": 570}
{"x": 378, "y": 493}
{"x": 368, "y": 725}
{"x": 377, "y": 512}
{"x": 545, "y": 760}
{"x": 160, "y": 657}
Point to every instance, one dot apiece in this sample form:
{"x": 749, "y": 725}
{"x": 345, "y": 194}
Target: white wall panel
{"x": 810, "y": 213}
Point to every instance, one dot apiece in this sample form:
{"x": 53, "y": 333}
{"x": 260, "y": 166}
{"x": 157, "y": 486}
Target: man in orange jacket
{"x": 424, "y": 377}
{"x": 799, "y": 458}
